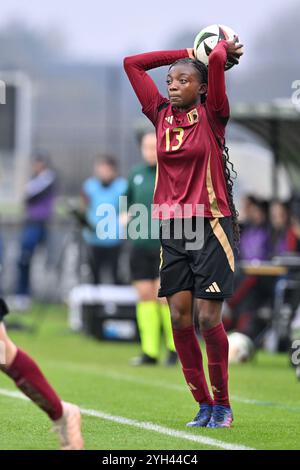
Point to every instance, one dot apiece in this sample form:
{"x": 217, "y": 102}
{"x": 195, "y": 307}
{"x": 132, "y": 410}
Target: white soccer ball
{"x": 208, "y": 38}
{"x": 241, "y": 348}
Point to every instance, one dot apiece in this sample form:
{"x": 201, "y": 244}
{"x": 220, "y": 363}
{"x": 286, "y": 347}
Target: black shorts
{"x": 144, "y": 263}
{"x": 207, "y": 270}
{"x": 3, "y": 309}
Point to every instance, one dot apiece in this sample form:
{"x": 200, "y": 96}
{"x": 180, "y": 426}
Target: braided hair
{"x": 229, "y": 171}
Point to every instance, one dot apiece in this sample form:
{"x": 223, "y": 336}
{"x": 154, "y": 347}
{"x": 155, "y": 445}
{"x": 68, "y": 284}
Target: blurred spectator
{"x": 251, "y": 293}
{"x": 294, "y": 244}
{"x": 255, "y": 233}
{"x": 251, "y": 307}
{"x": 261, "y": 240}
{"x": 105, "y": 187}
{"x": 295, "y": 220}
{"x": 153, "y": 315}
{"x": 283, "y": 237}
{"x": 245, "y": 205}
{"x": 39, "y": 202}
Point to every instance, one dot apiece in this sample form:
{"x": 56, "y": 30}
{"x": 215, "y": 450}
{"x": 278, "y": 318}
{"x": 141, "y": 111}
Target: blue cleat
{"x": 202, "y": 418}
{"x": 221, "y": 417}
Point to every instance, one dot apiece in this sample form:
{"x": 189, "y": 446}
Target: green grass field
{"x": 120, "y": 401}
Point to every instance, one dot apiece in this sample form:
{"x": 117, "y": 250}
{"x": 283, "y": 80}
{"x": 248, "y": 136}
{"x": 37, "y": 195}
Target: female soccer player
{"x": 192, "y": 171}
{"x": 30, "y": 380}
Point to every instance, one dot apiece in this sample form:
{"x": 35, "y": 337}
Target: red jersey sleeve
{"x": 147, "y": 92}
{"x": 217, "y": 101}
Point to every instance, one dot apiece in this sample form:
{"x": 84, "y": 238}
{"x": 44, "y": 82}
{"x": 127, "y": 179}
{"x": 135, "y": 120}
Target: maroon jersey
{"x": 190, "y": 165}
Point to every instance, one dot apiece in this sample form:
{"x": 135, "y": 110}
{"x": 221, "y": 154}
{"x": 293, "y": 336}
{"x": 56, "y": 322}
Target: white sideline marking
{"x": 166, "y": 431}
{"x": 158, "y": 383}
{"x": 146, "y": 426}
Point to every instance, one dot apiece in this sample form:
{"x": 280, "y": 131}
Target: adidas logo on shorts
{"x": 213, "y": 288}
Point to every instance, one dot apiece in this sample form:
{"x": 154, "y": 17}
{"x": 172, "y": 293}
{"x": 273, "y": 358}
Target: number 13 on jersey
{"x": 179, "y": 133}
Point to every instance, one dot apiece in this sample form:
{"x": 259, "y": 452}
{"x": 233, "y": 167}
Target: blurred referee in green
{"x": 153, "y": 315}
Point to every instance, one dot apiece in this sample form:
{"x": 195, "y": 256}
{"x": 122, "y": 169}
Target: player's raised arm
{"x": 217, "y": 99}
{"x": 147, "y": 92}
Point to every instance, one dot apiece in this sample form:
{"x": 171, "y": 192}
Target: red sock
{"x": 30, "y": 380}
{"x": 217, "y": 353}
{"x": 189, "y": 352}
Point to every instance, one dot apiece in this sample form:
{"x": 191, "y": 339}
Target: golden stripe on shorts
{"x": 156, "y": 178}
{"x": 222, "y": 237}
{"x": 211, "y": 193}
{"x": 161, "y": 258}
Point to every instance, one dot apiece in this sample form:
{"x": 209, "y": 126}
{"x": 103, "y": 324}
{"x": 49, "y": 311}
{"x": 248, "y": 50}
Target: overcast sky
{"x": 96, "y": 29}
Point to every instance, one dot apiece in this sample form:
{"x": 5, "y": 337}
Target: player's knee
{"x": 178, "y": 314}
{"x": 209, "y": 314}
{"x": 205, "y": 322}
{"x": 207, "y": 319}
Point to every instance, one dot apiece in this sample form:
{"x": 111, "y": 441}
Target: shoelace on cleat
{"x": 203, "y": 413}
{"x": 220, "y": 413}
